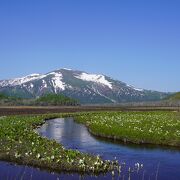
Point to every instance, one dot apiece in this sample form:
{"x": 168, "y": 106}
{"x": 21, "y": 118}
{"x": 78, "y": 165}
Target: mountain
{"x": 87, "y": 88}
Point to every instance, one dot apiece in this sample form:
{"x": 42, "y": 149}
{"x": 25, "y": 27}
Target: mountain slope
{"x": 87, "y": 88}
{"x": 174, "y": 97}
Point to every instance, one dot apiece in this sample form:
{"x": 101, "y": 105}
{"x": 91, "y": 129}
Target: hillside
{"x": 174, "y": 97}
{"x": 46, "y": 100}
{"x": 56, "y": 100}
{"x": 8, "y": 100}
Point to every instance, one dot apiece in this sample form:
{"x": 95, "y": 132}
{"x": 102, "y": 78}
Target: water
{"x": 158, "y": 163}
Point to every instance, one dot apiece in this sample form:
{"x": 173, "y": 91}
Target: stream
{"x": 162, "y": 163}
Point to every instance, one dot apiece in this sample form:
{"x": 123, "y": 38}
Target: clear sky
{"x": 135, "y": 41}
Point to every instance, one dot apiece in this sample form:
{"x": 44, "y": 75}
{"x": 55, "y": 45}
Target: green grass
{"x": 161, "y": 128}
{"x": 20, "y": 143}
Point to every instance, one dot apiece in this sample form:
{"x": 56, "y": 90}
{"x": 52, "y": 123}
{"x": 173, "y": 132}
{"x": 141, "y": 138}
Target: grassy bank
{"x": 162, "y": 128}
{"x": 20, "y": 143}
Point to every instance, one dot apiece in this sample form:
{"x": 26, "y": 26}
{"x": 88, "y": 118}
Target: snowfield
{"x": 94, "y": 78}
{"x": 57, "y": 81}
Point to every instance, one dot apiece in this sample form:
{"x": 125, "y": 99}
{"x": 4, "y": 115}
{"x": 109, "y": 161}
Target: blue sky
{"x": 137, "y": 42}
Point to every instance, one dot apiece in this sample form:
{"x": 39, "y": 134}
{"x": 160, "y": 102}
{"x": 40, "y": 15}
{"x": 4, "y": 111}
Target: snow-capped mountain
{"x": 88, "y": 88}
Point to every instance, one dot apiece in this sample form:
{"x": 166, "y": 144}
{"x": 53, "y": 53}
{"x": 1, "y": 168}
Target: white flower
{"x": 38, "y": 155}
{"x": 52, "y": 157}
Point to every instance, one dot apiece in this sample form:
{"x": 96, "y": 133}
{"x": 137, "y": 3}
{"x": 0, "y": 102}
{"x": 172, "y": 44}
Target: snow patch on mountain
{"x": 57, "y": 81}
{"x": 94, "y": 78}
{"x": 96, "y": 91}
{"x": 31, "y": 85}
{"x": 67, "y": 69}
{"x": 137, "y": 89}
{"x": 44, "y": 83}
{"x": 20, "y": 81}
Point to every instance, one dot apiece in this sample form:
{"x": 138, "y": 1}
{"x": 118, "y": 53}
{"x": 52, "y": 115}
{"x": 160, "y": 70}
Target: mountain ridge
{"x": 86, "y": 87}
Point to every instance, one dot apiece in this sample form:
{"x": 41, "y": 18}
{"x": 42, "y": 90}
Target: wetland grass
{"x": 161, "y": 128}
